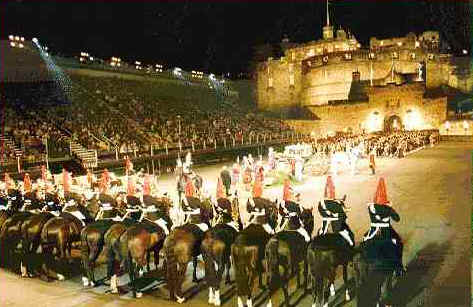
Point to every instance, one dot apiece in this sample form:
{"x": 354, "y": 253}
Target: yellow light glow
{"x": 11, "y": 37}
{"x": 21, "y": 45}
{"x": 465, "y": 125}
{"x": 17, "y": 38}
{"x": 417, "y": 44}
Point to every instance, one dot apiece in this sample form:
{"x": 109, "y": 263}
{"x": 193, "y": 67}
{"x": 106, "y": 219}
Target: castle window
{"x": 372, "y": 55}
{"x": 394, "y": 55}
{"x": 311, "y": 52}
{"x": 382, "y": 43}
{"x": 291, "y": 79}
{"x": 293, "y": 55}
{"x": 413, "y": 56}
{"x": 270, "y": 82}
{"x": 347, "y": 56}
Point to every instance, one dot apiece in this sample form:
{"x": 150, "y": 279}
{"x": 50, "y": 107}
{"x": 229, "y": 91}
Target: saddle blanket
{"x": 234, "y": 225}
{"x": 204, "y": 227}
{"x": 163, "y": 224}
{"x": 79, "y": 215}
{"x": 268, "y": 229}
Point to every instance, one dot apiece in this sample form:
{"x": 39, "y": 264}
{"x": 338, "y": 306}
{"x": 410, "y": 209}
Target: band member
{"x": 257, "y": 188}
{"x": 287, "y": 190}
{"x": 333, "y": 214}
{"x": 381, "y": 213}
{"x": 235, "y": 174}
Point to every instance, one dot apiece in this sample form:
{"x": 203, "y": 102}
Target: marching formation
{"x": 120, "y": 222}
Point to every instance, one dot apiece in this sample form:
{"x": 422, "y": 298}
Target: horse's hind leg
{"x": 228, "y": 265}
{"x": 345, "y": 281}
{"x": 194, "y": 274}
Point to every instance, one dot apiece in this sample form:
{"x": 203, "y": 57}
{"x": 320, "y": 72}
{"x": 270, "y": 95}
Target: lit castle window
{"x": 291, "y": 80}
{"x": 270, "y": 82}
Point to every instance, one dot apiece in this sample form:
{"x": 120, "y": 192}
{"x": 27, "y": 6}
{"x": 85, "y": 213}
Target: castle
{"x": 395, "y": 83}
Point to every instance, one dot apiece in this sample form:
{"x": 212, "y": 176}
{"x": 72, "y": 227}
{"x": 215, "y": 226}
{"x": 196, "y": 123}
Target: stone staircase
{"x": 88, "y": 157}
{"x": 9, "y": 143}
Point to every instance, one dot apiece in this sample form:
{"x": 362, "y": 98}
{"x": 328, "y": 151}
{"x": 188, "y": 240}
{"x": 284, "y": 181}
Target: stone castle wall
{"x": 406, "y": 102}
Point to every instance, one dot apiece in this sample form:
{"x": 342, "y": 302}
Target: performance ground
{"x": 431, "y": 191}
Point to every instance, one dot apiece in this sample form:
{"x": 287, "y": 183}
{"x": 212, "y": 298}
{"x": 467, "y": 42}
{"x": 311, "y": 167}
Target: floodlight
{"x": 11, "y": 37}
{"x": 12, "y": 44}
{"x": 35, "y": 40}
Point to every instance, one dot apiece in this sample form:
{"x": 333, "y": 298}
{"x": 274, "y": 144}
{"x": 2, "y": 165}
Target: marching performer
{"x": 381, "y": 213}
{"x": 187, "y": 166}
{"x": 257, "y": 188}
{"x": 226, "y": 179}
{"x": 220, "y": 189}
{"x": 27, "y": 183}
{"x": 372, "y": 163}
{"x": 235, "y": 175}
{"x": 333, "y": 214}
{"x": 128, "y": 166}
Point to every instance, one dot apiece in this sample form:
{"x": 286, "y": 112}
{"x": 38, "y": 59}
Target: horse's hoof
{"x": 139, "y": 294}
{"x": 60, "y": 277}
{"x": 180, "y": 300}
{"x": 332, "y": 290}
{"x": 347, "y": 297}
{"x": 85, "y": 281}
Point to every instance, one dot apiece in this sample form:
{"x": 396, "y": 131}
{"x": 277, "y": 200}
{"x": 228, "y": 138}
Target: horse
{"x": 181, "y": 246}
{"x": 324, "y": 255}
{"x": 31, "y": 230}
{"x": 284, "y": 253}
{"x": 248, "y": 251}
{"x": 216, "y": 249}
{"x": 10, "y": 236}
{"x": 130, "y": 243}
{"x": 92, "y": 244}
{"x": 375, "y": 264}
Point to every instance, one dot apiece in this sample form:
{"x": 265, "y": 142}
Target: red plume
{"x": 329, "y": 188}
{"x": 381, "y": 197}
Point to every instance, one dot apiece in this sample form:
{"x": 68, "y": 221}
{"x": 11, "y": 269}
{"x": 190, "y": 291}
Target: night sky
{"x": 218, "y": 36}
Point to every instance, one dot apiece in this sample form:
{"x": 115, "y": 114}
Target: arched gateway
{"x": 393, "y": 123}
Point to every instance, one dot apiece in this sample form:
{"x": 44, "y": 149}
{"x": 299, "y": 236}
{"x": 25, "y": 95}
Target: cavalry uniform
{"x": 258, "y": 216}
{"x": 192, "y": 210}
{"x": 333, "y": 214}
{"x": 381, "y": 214}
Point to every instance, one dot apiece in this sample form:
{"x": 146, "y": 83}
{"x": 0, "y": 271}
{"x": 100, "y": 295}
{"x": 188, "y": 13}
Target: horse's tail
{"x": 209, "y": 259}
{"x": 171, "y": 263}
{"x": 320, "y": 262}
{"x": 245, "y": 263}
{"x": 272, "y": 256}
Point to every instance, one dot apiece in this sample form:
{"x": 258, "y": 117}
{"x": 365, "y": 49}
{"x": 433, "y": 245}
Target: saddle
{"x": 331, "y": 241}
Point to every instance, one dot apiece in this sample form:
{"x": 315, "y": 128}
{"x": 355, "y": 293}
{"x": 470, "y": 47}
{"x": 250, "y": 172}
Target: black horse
{"x": 183, "y": 245}
{"x": 375, "y": 265}
{"x": 324, "y": 255}
{"x": 285, "y": 252}
{"x": 216, "y": 249}
{"x": 248, "y": 250}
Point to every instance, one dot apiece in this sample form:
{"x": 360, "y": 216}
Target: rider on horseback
{"x": 333, "y": 214}
{"x": 258, "y": 215}
{"x": 381, "y": 214}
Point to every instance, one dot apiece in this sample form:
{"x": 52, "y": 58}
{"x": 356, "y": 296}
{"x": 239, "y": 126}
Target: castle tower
{"x": 327, "y": 31}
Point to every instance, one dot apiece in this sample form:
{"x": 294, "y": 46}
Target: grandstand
{"x": 93, "y": 111}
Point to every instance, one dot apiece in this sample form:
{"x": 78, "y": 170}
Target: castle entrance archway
{"x": 392, "y": 123}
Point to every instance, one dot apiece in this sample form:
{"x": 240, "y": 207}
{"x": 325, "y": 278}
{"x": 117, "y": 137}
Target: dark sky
{"x": 217, "y": 36}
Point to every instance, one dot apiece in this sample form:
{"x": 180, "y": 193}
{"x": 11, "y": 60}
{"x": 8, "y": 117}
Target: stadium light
{"x": 12, "y": 44}
{"x": 465, "y": 51}
{"x": 35, "y": 40}
{"x": 11, "y": 37}
{"x": 22, "y": 39}
{"x": 21, "y": 45}
{"x": 17, "y": 38}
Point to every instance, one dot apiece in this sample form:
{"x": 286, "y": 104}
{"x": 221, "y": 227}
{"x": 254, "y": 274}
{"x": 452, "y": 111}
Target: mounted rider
{"x": 333, "y": 214}
{"x": 381, "y": 213}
